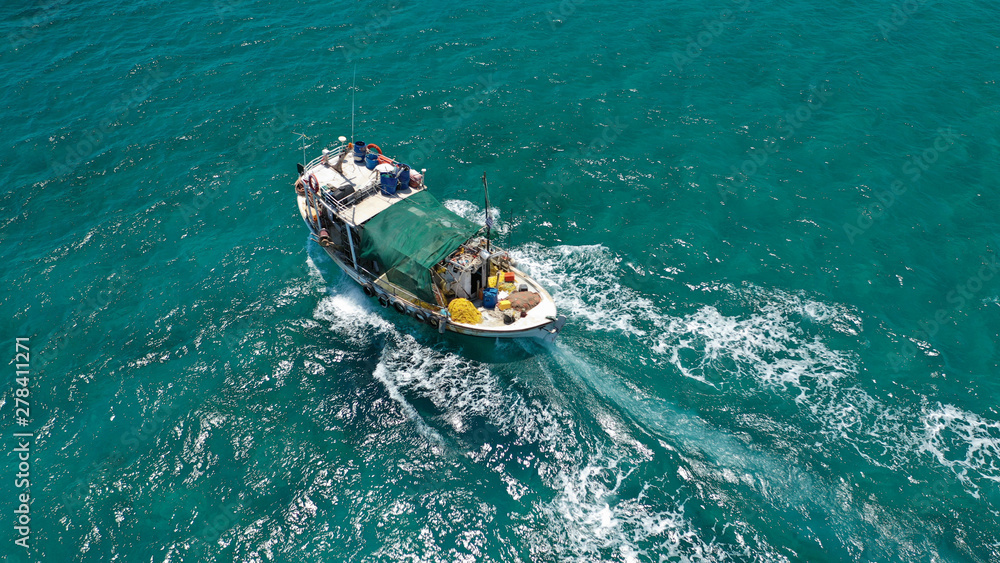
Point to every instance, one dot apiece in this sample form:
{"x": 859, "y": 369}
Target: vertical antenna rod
{"x": 489, "y": 218}
{"x": 354, "y": 84}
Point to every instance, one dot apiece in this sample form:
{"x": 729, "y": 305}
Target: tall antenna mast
{"x": 353, "y": 92}
{"x": 302, "y": 137}
{"x": 489, "y": 218}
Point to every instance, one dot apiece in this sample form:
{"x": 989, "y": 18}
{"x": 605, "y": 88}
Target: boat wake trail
{"x": 725, "y": 467}
{"x": 577, "y": 484}
{"x": 768, "y": 356}
{"x": 347, "y": 315}
{"x": 596, "y": 462}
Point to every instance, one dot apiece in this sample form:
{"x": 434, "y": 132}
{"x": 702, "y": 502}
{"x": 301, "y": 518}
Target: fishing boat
{"x": 379, "y": 222}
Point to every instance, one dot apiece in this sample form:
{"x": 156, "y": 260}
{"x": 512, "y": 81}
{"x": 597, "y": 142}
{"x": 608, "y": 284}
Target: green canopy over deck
{"x": 410, "y": 237}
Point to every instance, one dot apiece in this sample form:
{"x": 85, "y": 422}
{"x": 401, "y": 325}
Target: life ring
{"x": 374, "y": 146}
{"x": 313, "y": 183}
{"x": 398, "y": 305}
{"x": 368, "y": 289}
{"x": 420, "y": 317}
{"x": 383, "y": 300}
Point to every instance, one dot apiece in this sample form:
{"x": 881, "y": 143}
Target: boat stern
{"x": 552, "y": 330}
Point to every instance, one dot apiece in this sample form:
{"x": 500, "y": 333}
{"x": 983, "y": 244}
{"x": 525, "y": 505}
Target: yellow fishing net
{"x": 463, "y": 311}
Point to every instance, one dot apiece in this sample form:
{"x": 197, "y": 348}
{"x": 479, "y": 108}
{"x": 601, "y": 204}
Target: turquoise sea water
{"x": 772, "y": 226}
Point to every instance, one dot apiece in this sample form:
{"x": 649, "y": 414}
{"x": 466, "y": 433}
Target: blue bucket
{"x": 404, "y": 176}
{"x": 359, "y": 151}
{"x": 388, "y": 182}
{"x": 489, "y": 297}
{"x": 371, "y": 161}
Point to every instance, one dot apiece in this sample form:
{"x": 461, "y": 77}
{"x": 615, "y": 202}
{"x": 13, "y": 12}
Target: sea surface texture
{"x": 773, "y": 227}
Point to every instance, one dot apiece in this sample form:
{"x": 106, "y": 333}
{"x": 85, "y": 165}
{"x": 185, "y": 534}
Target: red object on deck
{"x": 508, "y": 277}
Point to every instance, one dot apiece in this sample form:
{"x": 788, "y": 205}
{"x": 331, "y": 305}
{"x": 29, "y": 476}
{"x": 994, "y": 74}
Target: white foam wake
{"x": 964, "y": 442}
{"x": 768, "y": 347}
{"x": 581, "y": 509}
{"x": 476, "y": 214}
{"x": 350, "y": 314}
{"x": 584, "y": 281}
{"x": 589, "y": 521}
{"x": 780, "y": 345}
{"x": 714, "y": 456}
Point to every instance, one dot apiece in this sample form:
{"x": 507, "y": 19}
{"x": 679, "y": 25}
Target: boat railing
{"x": 335, "y": 153}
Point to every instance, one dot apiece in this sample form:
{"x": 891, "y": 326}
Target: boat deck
{"x": 536, "y": 316}
{"x": 364, "y": 181}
